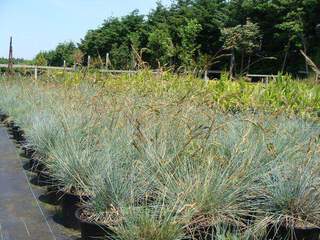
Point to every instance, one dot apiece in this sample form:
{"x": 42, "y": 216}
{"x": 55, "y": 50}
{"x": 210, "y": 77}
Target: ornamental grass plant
{"x": 174, "y": 158}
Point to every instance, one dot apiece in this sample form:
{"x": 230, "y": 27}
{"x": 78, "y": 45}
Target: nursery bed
{"x": 20, "y": 213}
{"x": 167, "y": 161}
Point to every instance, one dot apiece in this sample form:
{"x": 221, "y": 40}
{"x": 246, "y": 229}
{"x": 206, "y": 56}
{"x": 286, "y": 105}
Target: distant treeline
{"x": 15, "y": 61}
{"x": 246, "y": 35}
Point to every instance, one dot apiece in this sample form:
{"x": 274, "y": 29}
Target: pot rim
{"x": 68, "y": 193}
{"x": 77, "y": 215}
{"x": 306, "y": 228}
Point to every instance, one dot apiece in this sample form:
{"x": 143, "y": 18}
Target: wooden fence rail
{"x": 264, "y": 77}
{"x": 36, "y": 68}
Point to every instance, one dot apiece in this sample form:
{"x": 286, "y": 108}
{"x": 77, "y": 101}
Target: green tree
{"x": 188, "y": 48}
{"x": 292, "y": 28}
{"x": 40, "y": 59}
{"x": 121, "y": 56}
{"x": 116, "y": 36}
{"x": 63, "y": 52}
{"x": 242, "y": 38}
{"x": 160, "y": 45}
{"x": 190, "y": 31}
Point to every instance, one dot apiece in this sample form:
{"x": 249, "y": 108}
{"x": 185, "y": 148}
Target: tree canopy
{"x": 261, "y": 36}
{"x": 63, "y": 52}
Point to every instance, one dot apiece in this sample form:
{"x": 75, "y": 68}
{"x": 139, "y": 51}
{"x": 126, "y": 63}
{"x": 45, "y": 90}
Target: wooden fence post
{"x": 10, "y": 59}
{"x": 36, "y": 73}
{"x": 206, "y": 78}
{"x": 107, "y": 61}
{"x": 89, "y": 59}
{"x": 64, "y": 66}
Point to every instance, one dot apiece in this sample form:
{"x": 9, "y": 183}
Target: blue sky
{"x": 41, "y": 24}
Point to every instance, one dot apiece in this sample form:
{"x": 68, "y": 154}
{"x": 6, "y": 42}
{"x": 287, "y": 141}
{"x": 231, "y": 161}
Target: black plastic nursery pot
{"x": 44, "y": 179}
{"x": 70, "y": 203}
{"x": 29, "y": 152}
{"x": 9, "y": 124}
{"x": 3, "y": 117}
{"x": 296, "y": 233}
{"x": 18, "y": 134}
{"x": 32, "y": 165}
{"x": 92, "y": 230}
{"x": 54, "y": 194}
{"x": 15, "y": 129}
{"x": 37, "y": 166}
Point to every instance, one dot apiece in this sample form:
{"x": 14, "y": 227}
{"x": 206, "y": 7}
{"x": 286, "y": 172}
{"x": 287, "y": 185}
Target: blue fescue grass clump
{"x": 160, "y": 167}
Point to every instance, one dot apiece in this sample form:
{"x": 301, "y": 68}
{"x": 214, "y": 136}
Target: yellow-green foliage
{"x": 282, "y": 94}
